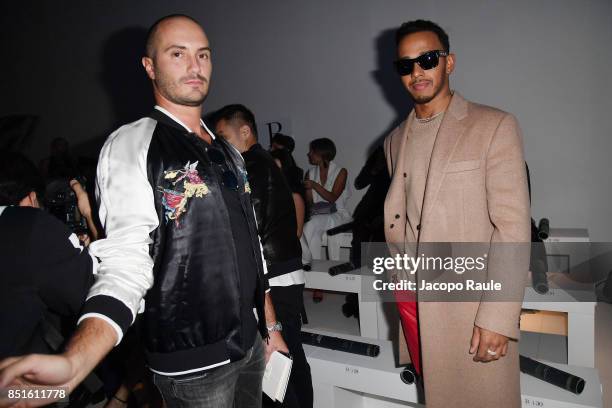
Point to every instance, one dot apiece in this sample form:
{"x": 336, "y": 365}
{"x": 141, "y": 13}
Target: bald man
{"x": 182, "y": 248}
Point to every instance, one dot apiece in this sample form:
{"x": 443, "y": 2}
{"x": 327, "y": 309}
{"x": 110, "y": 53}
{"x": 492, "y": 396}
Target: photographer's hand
{"x": 85, "y": 239}
{"x": 84, "y": 207}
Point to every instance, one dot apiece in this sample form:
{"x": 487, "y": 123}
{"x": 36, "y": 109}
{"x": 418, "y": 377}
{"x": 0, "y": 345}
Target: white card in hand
{"x": 276, "y": 376}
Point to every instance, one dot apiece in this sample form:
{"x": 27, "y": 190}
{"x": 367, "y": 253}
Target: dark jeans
{"x": 234, "y": 385}
{"x": 288, "y": 301}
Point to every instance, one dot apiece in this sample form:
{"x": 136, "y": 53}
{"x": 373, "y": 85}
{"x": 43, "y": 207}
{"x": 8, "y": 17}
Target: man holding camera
{"x": 46, "y": 270}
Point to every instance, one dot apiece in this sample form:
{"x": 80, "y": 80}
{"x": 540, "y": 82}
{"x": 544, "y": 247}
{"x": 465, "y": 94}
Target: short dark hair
{"x": 418, "y": 26}
{"x": 325, "y": 147}
{"x": 237, "y": 113}
{"x": 152, "y": 33}
{"x": 293, "y": 174}
{"x": 285, "y": 158}
{"x": 18, "y": 178}
{"x": 285, "y": 141}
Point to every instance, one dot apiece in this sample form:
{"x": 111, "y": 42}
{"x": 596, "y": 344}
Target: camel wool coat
{"x": 475, "y": 191}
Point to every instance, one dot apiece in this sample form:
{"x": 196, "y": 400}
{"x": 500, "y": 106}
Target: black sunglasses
{"x": 426, "y": 61}
{"x": 229, "y": 179}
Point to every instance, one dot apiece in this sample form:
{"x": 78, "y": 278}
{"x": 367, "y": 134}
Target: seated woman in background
{"x": 326, "y": 197}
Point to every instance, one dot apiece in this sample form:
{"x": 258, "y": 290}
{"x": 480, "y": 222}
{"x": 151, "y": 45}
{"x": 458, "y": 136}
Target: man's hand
{"x": 84, "y": 208}
{"x": 85, "y": 239}
{"x": 488, "y": 345}
{"x": 93, "y": 339}
{"x": 44, "y": 372}
{"x": 275, "y": 343}
{"x": 82, "y": 198}
{"x": 308, "y": 184}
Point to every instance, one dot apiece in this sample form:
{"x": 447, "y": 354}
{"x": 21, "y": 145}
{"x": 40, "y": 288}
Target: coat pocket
{"x": 464, "y": 165}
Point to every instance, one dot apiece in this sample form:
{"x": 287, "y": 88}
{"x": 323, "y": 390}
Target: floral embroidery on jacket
{"x": 175, "y": 199}
{"x": 247, "y": 186}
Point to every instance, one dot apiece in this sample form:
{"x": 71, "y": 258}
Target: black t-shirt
{"x": 247, "y": 267}
{"x": 42, "y": 269}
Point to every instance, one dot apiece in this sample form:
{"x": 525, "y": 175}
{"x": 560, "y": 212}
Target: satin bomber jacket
{"x": 169, "y": 250}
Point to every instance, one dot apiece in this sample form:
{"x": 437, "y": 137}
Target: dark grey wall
{"x": 322, "y": 68}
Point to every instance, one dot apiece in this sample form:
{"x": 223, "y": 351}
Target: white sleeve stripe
{"x": 261, "y": 251}
{"x": 94, "y": 263}
{"x": 74, "y": 240}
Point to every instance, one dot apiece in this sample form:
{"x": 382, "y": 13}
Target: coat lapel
{"x": 448, "y": 135}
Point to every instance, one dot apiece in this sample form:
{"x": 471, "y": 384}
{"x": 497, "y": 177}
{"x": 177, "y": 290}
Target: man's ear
{"x": 450, "y": 63}
{"x": 245, "y": 132}
{"x": 149, "y": 66}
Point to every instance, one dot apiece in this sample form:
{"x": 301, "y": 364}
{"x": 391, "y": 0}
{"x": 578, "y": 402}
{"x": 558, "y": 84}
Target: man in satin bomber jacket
{"x": 181, "y": 247}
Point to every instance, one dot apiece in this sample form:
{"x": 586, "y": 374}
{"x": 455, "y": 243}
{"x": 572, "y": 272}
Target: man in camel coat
{"x": 458, "y": 175}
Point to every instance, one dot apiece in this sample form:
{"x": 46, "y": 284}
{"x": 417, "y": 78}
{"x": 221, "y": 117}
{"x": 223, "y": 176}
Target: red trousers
{"x": 407, "y": 306}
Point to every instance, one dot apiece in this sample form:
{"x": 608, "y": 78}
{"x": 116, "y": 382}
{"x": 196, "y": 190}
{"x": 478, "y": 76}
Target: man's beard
{"x": 424, "y": 99}
{"x": 170, "y": 90}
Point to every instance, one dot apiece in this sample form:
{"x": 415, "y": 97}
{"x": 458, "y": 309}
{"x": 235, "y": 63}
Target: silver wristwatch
{"x": 276, "y": 327}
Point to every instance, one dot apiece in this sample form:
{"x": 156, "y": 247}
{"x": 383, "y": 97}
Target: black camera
{"x": 61, "y": 201}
